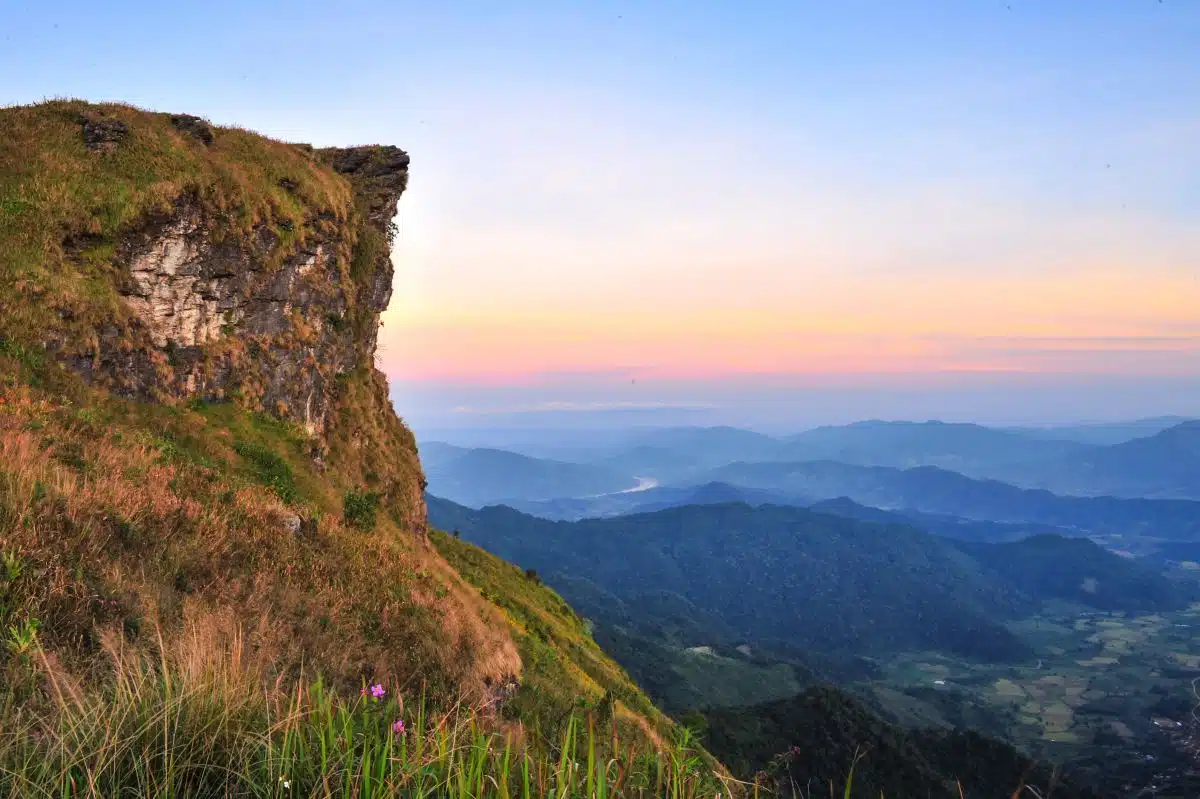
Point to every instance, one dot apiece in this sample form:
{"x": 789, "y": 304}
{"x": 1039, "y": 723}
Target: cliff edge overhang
{"x": 167, "y": 259}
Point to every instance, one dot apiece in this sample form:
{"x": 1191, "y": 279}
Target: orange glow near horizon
{"x": 1028, "y": 324}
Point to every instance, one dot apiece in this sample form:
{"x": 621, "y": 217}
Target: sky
{"x": 768, "y": 214}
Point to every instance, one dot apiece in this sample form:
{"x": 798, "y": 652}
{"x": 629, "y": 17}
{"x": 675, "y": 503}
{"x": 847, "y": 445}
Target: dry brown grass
{"x": 143, "y": 539}
{"x": 115, "y": 532}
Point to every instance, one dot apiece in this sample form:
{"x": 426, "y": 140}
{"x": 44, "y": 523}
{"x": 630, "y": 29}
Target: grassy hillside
{"x": 556, "y": 645}
{"x": 135, "y": 515}
{"x": 223, "y": 570}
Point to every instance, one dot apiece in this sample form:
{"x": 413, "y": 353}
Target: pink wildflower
{"x": 398, "y": 727}
{"x": 377, "y": 691}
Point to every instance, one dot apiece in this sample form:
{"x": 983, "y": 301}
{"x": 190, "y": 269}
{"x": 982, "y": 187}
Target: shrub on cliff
{"x": 358, "y": 509}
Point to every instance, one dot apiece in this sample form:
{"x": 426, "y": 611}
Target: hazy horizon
{"x": 776, "y": 409}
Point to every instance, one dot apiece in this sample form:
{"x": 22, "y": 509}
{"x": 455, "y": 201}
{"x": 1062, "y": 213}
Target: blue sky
{"x": 774, "y": 211}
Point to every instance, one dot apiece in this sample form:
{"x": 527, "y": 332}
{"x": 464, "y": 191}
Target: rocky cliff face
{"x": 272, "y": 318}
{"x": 168, "y": 260}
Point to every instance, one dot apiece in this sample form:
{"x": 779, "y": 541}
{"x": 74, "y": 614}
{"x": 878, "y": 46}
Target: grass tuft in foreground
{"x": 198, "y": 718}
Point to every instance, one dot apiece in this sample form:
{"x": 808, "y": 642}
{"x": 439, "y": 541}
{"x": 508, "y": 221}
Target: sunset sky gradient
{"x": 966, "y": 209}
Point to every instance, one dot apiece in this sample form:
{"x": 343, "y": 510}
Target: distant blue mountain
{"x": 1166, "y": 464}
{"x": 1103, "y": 433}
{"x": 652, "y": 499}
{"x": 1163, "y": 465}
{"x": 478, "y": 477}
{"x": 931, "y": 490}
{"x": 967, "y": 448}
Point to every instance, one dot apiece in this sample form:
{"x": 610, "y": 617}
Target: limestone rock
{"x": 272, "y": 321}
{"x": 252, "y": 272}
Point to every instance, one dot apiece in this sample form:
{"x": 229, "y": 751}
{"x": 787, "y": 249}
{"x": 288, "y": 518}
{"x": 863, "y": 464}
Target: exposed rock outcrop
{"x": 194, "y": 126}
{"x": 104, "y": 134}
{"x": 273, "y": 318}
{"x": 379, "y": 173}
{"x": 170, "y": 260}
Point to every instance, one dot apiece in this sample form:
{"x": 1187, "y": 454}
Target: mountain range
{"x": 929, "y": 489}
{"x": 741, "y": 573}
{"x": 481, "y": 476}
{"x": 935, "y": 499}
{"x": 967, "y": 448}
{"x": 1103, "y": 433}
{"x": 1163, "y": 464}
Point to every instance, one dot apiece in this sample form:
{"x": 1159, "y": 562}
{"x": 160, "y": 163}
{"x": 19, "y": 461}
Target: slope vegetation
{"x": 193, "y": 437}
{"x": 1053, "y": 567}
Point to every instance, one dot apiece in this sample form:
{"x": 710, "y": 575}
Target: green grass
{"x": 564, "y": 665}
{"x": 271, "y": 469}
{"x": 24, "y": 355}
{"x": 195, "y": 724}
{"x": 358, "y": 509}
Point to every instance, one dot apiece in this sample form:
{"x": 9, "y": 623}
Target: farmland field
{"x": 1108, "y": 693}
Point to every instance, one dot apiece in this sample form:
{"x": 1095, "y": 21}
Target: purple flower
{"x": 377, "y": 691}
{"x": 398, "y": 727}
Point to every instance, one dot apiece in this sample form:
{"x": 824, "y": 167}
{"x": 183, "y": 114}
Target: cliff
{"x": 193, "y": 435}
{"x": 168, "y": 261}
{"x": 221, "y": 265}
{"x": 271, "y": 317}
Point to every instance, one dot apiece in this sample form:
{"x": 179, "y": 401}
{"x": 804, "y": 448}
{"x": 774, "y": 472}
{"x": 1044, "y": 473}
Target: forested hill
{"x": 777, "y": 575}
